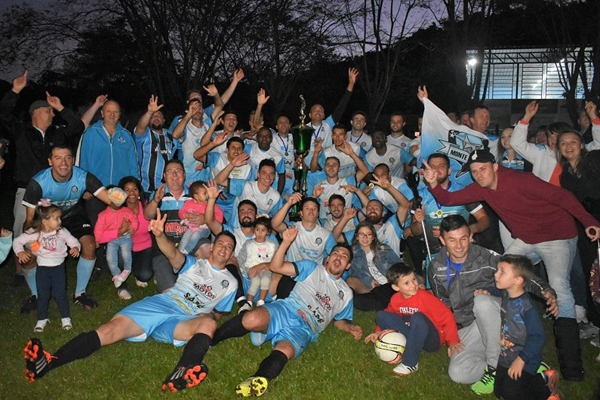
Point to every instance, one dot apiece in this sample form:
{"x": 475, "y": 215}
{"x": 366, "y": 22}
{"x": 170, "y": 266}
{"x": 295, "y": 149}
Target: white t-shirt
{"x": 311, "y": 245}
{"x": 347, "y": 164}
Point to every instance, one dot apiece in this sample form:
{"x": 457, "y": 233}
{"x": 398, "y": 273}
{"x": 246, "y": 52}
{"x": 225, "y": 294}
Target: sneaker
{"x": 246, "y": 307}
{"x": 29, "y": 305}
{"x": 41, "y": 324}
{"x": 141, "y": 284}
{"x": 17, "y": 280}
{"x": 185, "y": 377}
{"x": 252, "y": 387}
{"x": 551, "y": 378}
{"x": 67, "y": 325}
{"x": 405, "y": 369}
{"x": 260, "y": 303}
{"x": 486, "y": 384}
{"x": 543, "y": 367}
{"x": 86, "y": 301}
{"x": 120, "y": 278}
{"x": 124, "y": 294}
{"x": 588, "y": 330}
{"x": 595, "y": 342}
{"x": 37, "y": 361}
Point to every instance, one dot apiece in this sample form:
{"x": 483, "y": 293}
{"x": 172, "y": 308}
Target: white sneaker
{"x": 260, "y": 303}
{"x": 141, "y": 284}
{"x": 41, "y": 324}
{"x": 587, "y": 330}
{"x": 405, "y": 369}
{"x": 595, "y": 342}
{"x": 122, "y": 277}
{"x": 246, "y": 307}
{"x": 124, "y": 294}
{"x": 66, "y": 324}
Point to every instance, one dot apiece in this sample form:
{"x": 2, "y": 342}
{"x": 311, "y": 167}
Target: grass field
{"x": 337, "y": 367}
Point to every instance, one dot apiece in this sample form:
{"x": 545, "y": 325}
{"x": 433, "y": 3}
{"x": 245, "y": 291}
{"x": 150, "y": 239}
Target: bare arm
{"x": 157, "y": 226}
{"x": 238, "y": 75}
{"x": 209, "y": 217}
{"x": 338, "y": 230}
{"x": 278, "y": 265}
{"x": 277, "y": 222}
{"x": 222, "y": 177}
{"x": 193, "y": 108}
{"x": 483, "y": 221}
{"x": 152, "y": 206}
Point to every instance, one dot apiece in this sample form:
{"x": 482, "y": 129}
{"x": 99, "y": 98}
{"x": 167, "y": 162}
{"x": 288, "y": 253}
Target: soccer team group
{"x": 205, "y": 213}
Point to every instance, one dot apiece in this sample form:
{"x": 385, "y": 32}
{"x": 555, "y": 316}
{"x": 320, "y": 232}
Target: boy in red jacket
{"x": 417, "y": 314}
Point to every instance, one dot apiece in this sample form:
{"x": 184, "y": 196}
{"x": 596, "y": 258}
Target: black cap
{"x": 38, "y": 104}
{"x": 481, "y": 156}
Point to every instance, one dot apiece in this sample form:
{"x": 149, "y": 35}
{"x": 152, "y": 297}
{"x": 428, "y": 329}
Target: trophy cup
{"x": 302, "y": 135}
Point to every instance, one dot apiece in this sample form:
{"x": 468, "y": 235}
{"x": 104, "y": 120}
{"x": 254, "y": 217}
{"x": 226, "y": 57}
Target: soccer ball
{"x": 389, "y": 346}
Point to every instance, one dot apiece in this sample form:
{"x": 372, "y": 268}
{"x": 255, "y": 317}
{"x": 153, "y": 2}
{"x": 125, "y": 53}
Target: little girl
{"x": 197, "y": 203}
{"x": 48, "y": 242}
{"x": 257, "y": 251}
{"x": 124, "y": 221}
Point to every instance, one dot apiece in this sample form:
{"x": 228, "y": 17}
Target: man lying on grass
{"x": 320, "y": 295}
{"x": 188, "y": 312}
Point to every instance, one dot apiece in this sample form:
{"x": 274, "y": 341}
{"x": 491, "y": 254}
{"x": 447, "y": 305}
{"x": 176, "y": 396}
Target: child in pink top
{"x": 197, "y": 203}
{"x": 47, "y": 241}
{"x": 124, "y": 221}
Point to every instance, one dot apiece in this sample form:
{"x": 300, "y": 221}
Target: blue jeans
{"x": 190, "y": 240}
{"x": 558, "y": 258}
{"x": 420, "y": 333}
{"x": 124, "y": 244}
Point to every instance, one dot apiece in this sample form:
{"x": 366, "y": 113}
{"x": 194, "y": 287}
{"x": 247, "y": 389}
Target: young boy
{"x": 521, "y": 337}
{"x": 417, "y": 314}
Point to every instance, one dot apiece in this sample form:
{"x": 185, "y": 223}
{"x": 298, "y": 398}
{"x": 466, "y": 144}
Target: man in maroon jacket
{"x": 541, "y": 218}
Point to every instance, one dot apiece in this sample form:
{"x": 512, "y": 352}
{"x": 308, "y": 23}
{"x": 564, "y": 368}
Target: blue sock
{"x": 29, "y": 275}
{"x": 84, "y": 273}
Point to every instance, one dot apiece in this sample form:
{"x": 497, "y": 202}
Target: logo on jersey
{"x": 270, "y": 202}
{"x": 319, "y": 241}
{"x": 74, "y": 189}
{"x": 341, "y": 295}
{"x": 224, "y": 283}
{"x": 324, "y": 300}
{"x": 206, "y": 290}
{"x": 392, "y": 160}
{"x": 121, "y": 139}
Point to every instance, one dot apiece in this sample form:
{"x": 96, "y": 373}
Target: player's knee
{"x": 457, "y": 373}
{"x": 484, "y": 305}
{"x": 257, "y": 319}
{"x": 418, "y": 320}
{"x": 88, "y": 249}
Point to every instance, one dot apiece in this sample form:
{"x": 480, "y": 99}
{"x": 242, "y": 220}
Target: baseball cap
{"x": 38, "y": 104}
{"x": 480, "y": 156}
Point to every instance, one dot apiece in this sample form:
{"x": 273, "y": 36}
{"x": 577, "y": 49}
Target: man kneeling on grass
{"x": 188, "y": 312}
{"x": 319, "y": 296}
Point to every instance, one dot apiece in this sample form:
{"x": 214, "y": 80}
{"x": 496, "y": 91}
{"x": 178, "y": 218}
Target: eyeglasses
{"x": 365, "y": 235}
{"x": 174, "y": 171}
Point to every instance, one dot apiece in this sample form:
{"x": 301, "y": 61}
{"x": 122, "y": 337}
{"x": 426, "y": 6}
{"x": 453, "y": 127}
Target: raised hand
{"x": 381, "y": 181}
{"x": 193, "y": 108}
{"x": 350, "y": 213}
{"x": 346, "y": 148}
{"x": 295, "y": 198}
{"x": 238, "y": 75}
{"x": 422, "y": 93}
{"x": 212, "y": 190}
{"x": 54, "y": 102}
{"x": 420, "y": 214}
{"x": 262, "y": 97}
{"x": 211, "y": 90}
{"x": 19, "y": 82}
{"x": 318, "y": 145}
{"x": 220, "y": 138}
{"x": 318, "y": 190}
{"x": 590, "y": 109}
{"x": 352, "y": 76}
{"x": 157, "y": 225}
{"x": 289, "y": 235}
{"x": 530, "y": 110}
{"x": 100, "y": 100}
{"x": 240, "y": 160}
{"x": 159, "y": 194}
{"x": 153, "y": 105}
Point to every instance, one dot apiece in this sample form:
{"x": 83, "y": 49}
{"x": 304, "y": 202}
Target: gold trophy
{"x": 302, "y": 135}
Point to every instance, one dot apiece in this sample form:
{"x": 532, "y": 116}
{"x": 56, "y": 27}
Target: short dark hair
{"x": 478, "y": 107}
{"x": 267, "y": 162}
{"x": 452, "y": 223}
{"x": 229, "y": 112}
{"x": 438, "y": 155}
{"x": 343, "y": 246}
{"x": 263, "y": 221}
{"x": 521, "y": 265}
{"x": 228, "y": 234}
{"x": 397, "y": 271}
{"x": 249, "y": 202}
{"x": 399, "y": 114}
{"x": 378, "y": 132}
{"x": 382, "y": 165}
{"x": 334, "y": 158}
{"x": 308, "y": 200}
{"x": 358, "y": 112}
{"x": 131, "y": 179}
{"x": 235, "y": 139}
{"x": 60, "y": 147}
{"x": 339, "y": 126}
{"x": 195, "y": 186}
{"x": 337, "y": 197}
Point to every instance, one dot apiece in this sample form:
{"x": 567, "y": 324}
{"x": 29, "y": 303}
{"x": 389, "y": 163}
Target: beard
{"x": 246, "y": 223}
{"x": 373, "y": 219}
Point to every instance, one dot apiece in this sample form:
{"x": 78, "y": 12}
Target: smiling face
{"x": 157, "y": 121}
{"x": 365, "y": 237}
{"x": 229, "y": 123}
{"x": 133, "y": 193}
{"x": 221, "y": 250}
{"x": 246, "y": 215}
{"x": 266, "y": 176}
{"x": 111, "y": 112}
{"x": 374, "y": 211}
{"x": 505, "y": 138}
{"x": 174, "y": 176}
{"x": 264, "y": 139}
{"x": 457, "y": 243}
{"x": 283, "y": 125}
{"x": 338, "y": 261}
{"x": 397, "y": 123}
{"x": 441, "y": 168}
{"x": 61, "y": 161}
{"x": 336, "y": 207}
{"x": 310, "y": 212}
{"x": 358, "y": 122}
{"x": 570, "y": 146}
{"x": 332, "y": 167}
{"x": 338, "y": 136}
{"x": 480, "y": 120}
{"x": 317, "y": 114}
{"x": 407, "y": 285}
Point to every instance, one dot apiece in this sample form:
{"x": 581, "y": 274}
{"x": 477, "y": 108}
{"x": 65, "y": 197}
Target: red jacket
{"x": 432, "y": 307}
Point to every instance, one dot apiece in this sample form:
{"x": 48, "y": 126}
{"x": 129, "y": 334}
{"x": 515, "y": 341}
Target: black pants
{"x": 51, "y": 280}
{"x": 528, "y": 386}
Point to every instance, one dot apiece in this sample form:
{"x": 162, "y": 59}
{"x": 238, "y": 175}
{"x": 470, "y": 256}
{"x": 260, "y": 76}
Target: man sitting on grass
{"x": 320, "y": 295}
{"x": 188, "y": 312}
